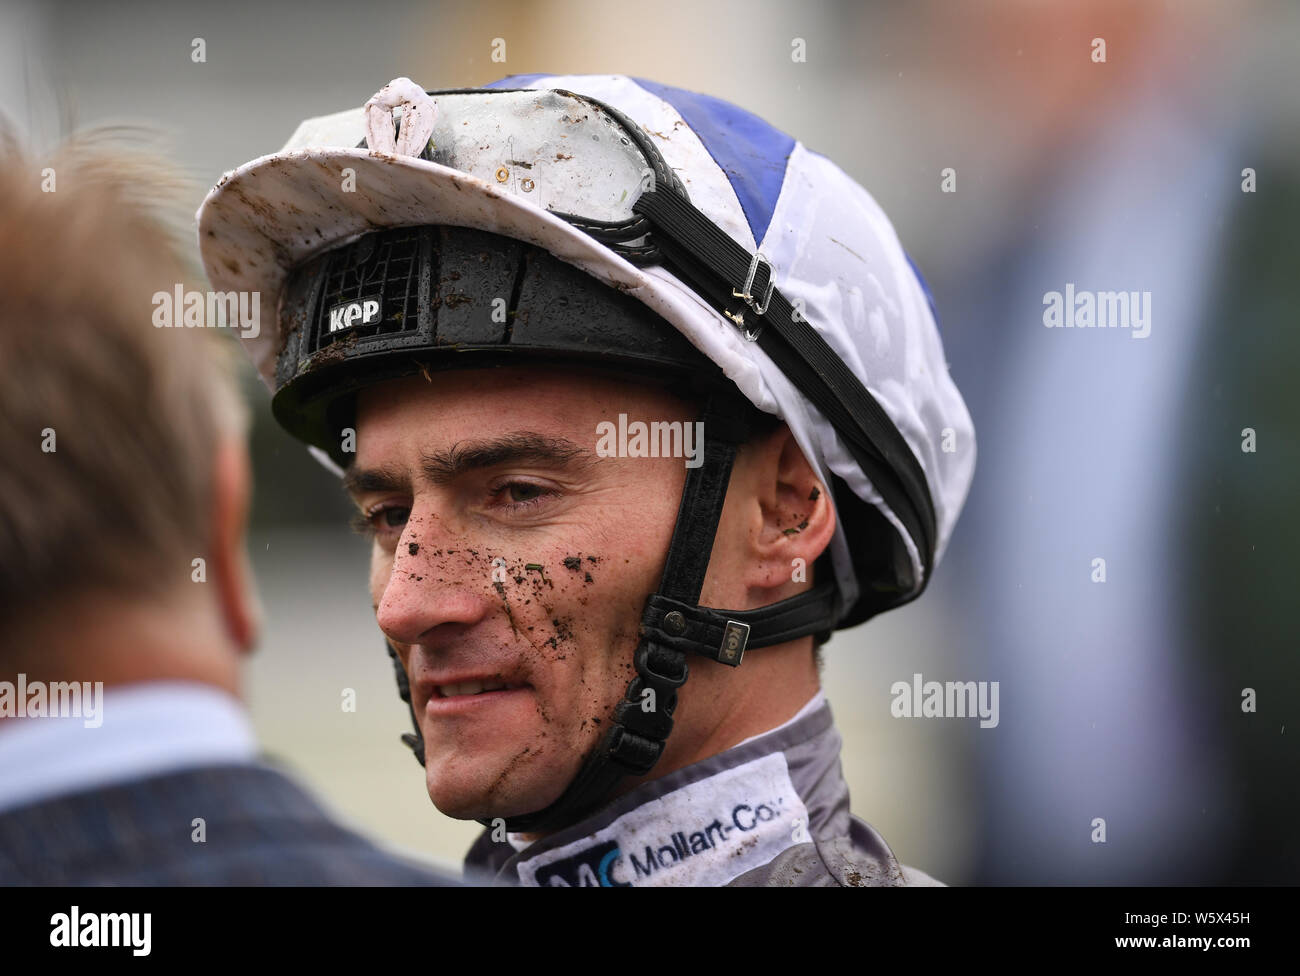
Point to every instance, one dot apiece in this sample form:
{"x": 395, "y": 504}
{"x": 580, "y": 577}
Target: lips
{"x": 466, "y": 697}
{"x": 442, "y": 683}
{"x": 474, "y": 686}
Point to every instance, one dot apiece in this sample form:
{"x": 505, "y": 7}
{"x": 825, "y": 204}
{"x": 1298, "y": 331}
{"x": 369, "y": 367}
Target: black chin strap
{"x": 672, "y": 626}
{"x": 412, "y": 740}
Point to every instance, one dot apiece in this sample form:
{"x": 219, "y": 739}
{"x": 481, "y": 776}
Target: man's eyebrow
{"x": 441, "y": 467}
{"x": 361, "y": 481}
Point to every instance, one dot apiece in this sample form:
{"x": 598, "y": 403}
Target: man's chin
{"x": 507, "y": 794}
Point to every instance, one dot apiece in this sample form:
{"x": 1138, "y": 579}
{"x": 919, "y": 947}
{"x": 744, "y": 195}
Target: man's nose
{"x": 427, "y": 589}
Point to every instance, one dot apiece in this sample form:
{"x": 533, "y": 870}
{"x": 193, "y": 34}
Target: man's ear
{"x": 231, "y": 569}
{"x": 795, "y": 517}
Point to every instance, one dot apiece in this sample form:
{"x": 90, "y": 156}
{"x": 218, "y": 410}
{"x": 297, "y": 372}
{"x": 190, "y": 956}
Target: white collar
{"x": 147, "y": 729}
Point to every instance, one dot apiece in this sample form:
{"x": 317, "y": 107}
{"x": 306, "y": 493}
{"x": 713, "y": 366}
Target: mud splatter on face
{"x": 505, "y": 601}
{"x": 527, "y": 590}
{"x": 520, "y": 757}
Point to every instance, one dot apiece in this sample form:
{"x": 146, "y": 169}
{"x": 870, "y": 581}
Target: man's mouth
{"x": 466, "y": 688}
{"x": 471, "y": 696}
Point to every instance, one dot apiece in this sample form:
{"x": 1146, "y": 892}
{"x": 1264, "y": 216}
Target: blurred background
{"x": 1119, "y": 700}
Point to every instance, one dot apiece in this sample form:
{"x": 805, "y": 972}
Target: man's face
{"x": 510, "y": 566}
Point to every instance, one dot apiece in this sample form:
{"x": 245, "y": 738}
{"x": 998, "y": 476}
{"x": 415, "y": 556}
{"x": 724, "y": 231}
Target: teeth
{"x": 472, "y": 688}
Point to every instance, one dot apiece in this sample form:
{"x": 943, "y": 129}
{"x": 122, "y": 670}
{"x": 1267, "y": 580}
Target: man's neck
{"x": 781, "y": 680}
{"x": 102, "y": 638}
{"x": 757, "y": 707}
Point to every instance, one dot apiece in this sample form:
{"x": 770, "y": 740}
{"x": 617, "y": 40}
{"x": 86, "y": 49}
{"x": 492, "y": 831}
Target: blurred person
{"x": 126, "y": 601}
{"x": 1124, "y": 174}
{"x": 488, "y": 300}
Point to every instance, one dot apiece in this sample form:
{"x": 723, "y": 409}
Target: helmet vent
{"x": 383, "y": 268}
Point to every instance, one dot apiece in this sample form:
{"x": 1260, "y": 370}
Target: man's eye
{"x": 520, "y": 491}
{"x": 518, "y": 495}
{"x": 378, "y": 521}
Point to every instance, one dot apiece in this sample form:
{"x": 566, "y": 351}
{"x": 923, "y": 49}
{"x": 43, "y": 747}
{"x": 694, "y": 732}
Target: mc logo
{"x": 590, "y": 868}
